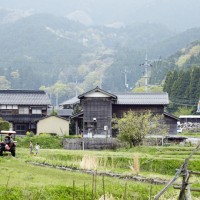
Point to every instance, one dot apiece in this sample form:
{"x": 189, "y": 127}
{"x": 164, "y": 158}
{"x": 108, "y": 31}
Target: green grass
{"x": 190, "y": 133}
{"x": 161, "y": 160}
{"x": 37, "y": 182}
{"x": 22, "y": 180}
{"x": 44, "y": 140}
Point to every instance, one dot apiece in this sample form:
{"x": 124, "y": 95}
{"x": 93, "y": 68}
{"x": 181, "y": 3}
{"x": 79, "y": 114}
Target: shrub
{"x": 45, "y": 141}
{"x": 29, "y": 134}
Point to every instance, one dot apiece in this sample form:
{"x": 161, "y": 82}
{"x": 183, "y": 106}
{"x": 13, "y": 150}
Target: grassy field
{"x": 20, "y": 179}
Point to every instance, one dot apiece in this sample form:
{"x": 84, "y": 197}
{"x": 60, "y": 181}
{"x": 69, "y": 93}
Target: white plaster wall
{"x": 96, "y": 94}
{"x": 53, "y": 124}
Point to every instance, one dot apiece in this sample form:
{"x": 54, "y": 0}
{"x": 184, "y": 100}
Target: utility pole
{"x": 76, "y": 88}
{"x": 125, "y": 72}
{"x": 198, "y": 107}
{"x": 57, "y": 100}
{"x": 100, "y": 82}
{"x": 146, "y": 76}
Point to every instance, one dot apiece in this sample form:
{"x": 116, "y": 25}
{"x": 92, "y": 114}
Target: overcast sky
{"x": 176, "y": 14}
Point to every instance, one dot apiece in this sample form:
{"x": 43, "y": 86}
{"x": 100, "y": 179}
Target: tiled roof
{"x": 24, "y": 97}
{"x": 72, "y": 101}
{"x": 49, "y": 116}
{"x": 65, "y": 112}
{"x": 170, "y": 115}
{"x": 97, "y": 89}
{"x": 143, "y": 99}
{"x": 61, "y": 112}
{"x": 132, "y": 99}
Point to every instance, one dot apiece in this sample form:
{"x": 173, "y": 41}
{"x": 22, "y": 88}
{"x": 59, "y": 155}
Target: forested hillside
{"x": 183, "y": 83}
{"x": 66, "y": 58}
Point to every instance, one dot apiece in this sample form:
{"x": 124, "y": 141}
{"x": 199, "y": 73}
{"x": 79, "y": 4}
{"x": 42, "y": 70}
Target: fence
{"x": 185, "y": 180}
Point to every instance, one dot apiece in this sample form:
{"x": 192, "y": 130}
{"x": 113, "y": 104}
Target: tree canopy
{"x": 183, "y": 89}
{"x": 4, "y": 125}
{"x": 134, "y": 126}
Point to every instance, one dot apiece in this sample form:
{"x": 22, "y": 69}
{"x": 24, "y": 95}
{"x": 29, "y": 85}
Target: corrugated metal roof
{"x": 24, "y": 97}
{"x": 143, "y": 99}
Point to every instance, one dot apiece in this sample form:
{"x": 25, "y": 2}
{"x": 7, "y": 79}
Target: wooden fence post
{"x": 186, "y": 176}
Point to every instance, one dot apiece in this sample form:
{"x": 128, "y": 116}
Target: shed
{"x": 53, "y": 124}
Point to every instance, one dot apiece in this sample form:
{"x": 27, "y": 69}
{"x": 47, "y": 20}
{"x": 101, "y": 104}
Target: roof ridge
{"x": 23, "y": 91}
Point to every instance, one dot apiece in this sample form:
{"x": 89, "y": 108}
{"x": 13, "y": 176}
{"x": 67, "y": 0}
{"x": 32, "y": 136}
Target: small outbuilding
{"x": 53, "y": 125}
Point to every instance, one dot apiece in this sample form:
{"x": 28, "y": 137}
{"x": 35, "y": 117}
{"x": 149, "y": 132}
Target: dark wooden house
{"x": 98, "y": 107}
{"x": 23, "y": 108}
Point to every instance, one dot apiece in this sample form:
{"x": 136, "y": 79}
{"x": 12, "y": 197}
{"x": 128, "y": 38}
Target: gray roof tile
{"x": 24, "y": 97}
{"x": 71, "y": 101}
{"x": 143, "y": 98}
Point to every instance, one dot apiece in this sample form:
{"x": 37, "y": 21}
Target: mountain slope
{"x": 44, "y": 50}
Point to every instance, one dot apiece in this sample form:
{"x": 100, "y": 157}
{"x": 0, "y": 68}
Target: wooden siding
{"x": 27, "y": 121}
{"x": 118, "y": 110}
{"x": 97, "y": 114}
{"x": 172, "y": 124}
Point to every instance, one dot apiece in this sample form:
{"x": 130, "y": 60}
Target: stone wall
{"x": 90, "y": 143}
{"x": 152, "y": 142}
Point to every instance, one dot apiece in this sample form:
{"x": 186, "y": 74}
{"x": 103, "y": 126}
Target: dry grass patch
{"x": 89, "y": 162}
{"x": 135, "y": 166}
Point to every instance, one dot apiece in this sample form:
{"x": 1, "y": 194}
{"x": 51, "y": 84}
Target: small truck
{"x": 7, "y": 144}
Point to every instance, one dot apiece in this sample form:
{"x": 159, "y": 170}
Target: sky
{"x": 175, "y": 14}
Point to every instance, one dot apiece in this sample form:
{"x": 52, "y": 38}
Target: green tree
{"x": 183, "y": 82}
{"x": 4, "y": 125}
{"x": 134, "y": 126}
{"x": 4, "y": 83}
{"x": 151, "y": 88}
{"x": 183, "y": 110}
{"x": 168, "y": 82}
{"x": 195, "y": 81}
{"x": 54, "y": 112}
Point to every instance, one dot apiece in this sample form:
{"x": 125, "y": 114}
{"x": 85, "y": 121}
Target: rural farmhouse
{"x": 94, "y": 110}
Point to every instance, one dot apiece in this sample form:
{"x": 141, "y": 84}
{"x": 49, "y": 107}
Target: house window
{"x": 21, "y": 129}
{"x": 6, "y": 112}
{"x": 36, "y": 111}
{"x": 23, "y": 110}
{"x": 9, "y": 107}
{"x": 3, "y": 106}
{"x": 15, "y": 107}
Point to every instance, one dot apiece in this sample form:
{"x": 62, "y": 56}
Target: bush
{"x": 29, "y": 134}
{"x": 45, "y": 141}
{"x": 72, "y": 136}
{"x": 47, "y": 134}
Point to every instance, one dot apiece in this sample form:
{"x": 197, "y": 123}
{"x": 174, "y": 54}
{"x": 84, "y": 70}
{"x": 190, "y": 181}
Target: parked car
{"x": 8, "y": 144}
